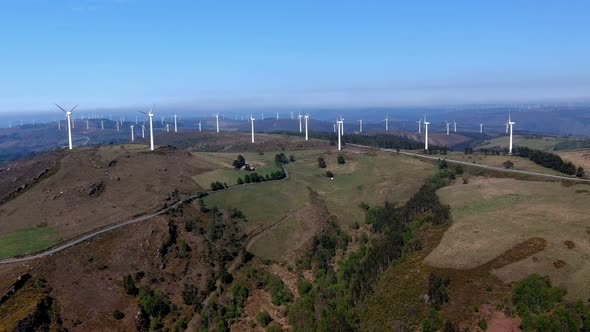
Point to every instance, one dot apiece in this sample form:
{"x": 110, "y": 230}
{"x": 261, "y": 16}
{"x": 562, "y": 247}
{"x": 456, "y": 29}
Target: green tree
{"x": 341, "y": 159}
{"x": 239, "y": 162}
{"x": 508, "y": 164}
{"x": 321, "y": 162}
{"x": 240, "y": 181}
{"x": 329, "y": 174}
{"x": 129, "y": 285}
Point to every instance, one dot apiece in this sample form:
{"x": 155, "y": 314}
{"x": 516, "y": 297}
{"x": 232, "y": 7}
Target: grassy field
{"x": 364, "y": 178}
{"x": 541, "y": 143}
{"x": 27, "y": 241}
{"x": 520, "y": 163}
{"x": 491, "y": 216}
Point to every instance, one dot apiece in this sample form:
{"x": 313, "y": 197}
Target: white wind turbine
{"x": 117, "y": 125}
{"x": 101, "y": 124}
{"x": 199, "y": 125}
{"x": 448, "y": 124}
{"x": 58, "y": 125}
{"x": 300, "y": 116}
{"x": 455, "y": 124}
{"x": 167, "y": 127}
{"x": 510, "y": 123}
{"x": 142, "y": 131}
{"x": 339, "y": 124}
{"x": 360, "y": 126}
{"x": 426, "y": 123}
{"x": 175, "y": 126}
{"x": 217, "y": 121}
{"x": 387, "y": 122}
{"x": 252, "y": 124}
{"x": 419, "y": 126}
{"x": 334, "y": 127}
{"x": 306, "y": 121}
{"x": 151, "y": 116}
{"x": 132, "y": 133}
{"x": 277, "y": 115}
{"x": 68, "y": 117}
{"x": 481, "y": 128}
{"x": 342, "y": 126}
{"x": 87, "y": 125}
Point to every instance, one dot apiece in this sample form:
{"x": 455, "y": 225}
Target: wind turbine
{"x": 387, "y": 122}
{"x": 132, "y": 133}
{"x": 419, "y": 126}
{"x": 151, "y": 115}
{"x": 510, "y": 123}
{"x": 252, "y": 123}
{"x": 342, "y": 125}
{"x": 481, "y": 128}
{"x": 306, "y": 121}
{"x": 300, "y": 122}
{"x": 199, "y": 125}
{"x": 277, "y": 115}
{"x": 334, "y": 127}
{"x": 448, "y": 123}
{"x": 101, "y": 124}
{"x": 117, "y": 125}
{"x": 426, "y": 123}
{"x": 360, "y": 126}
{"x": 455, "y": 124}
{"x": 175, "y": 127}
{"x": 143, "y": 131}
{"x": 167, "y": 127}
{"x": 58, "y": 125}
{"x": 217, "y": 121}
{"x": 68, "y": 117}
{"x": 339, "y": 124}
{"x": 87, "y": 126}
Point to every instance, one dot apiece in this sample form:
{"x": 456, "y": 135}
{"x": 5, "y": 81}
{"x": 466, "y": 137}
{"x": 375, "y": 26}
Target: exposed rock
{"x": 95, "y": 189}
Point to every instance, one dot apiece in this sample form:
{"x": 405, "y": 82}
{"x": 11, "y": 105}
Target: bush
{"x": 129, "y": 285}
{"x": 155, "y": 304}
{"x": 437, "y": 290}
{"x": 483, "y": 324}
{"x": 341, "y": 159}
{"x": 291, "y": 158}
{"x": 240, "y": 181}
{"x": 535, "y": 295}
{"x": 281, "y": 159}
{"x": 217, "y": 186}
{"x": 508, "y": 164}
{"x": 329, "y": 174}
{"x": 190, "y": 294}
{"x": 180, "y": 326}
{"x": 580, "y": 172}
{"x": 118, "y": 315}
{"x": 321, "y": 162}
{"x": 183, "y": 249}
{"x": 263, "y": 318}
{"x": 433, "y": 321}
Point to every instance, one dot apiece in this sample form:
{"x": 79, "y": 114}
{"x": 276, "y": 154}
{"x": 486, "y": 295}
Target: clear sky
{"x": 111, "y": 53}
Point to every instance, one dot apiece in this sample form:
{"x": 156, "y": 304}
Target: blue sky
{"x": 232, "y": 54}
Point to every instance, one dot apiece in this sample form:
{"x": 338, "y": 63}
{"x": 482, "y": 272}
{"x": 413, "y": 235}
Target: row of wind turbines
{"x": 338, "y": 127}
{"x": 150, "y": 115}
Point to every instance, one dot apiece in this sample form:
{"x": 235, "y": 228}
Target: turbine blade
{"x": 61, "y": 108}
{"x": 73, "y": 108}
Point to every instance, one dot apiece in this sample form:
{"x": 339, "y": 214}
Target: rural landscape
{"x": 296, "y": 166}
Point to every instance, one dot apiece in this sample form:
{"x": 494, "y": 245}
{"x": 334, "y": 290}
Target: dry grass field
{"x": 93, "y": 188}
{"x": 520, "y": 163}
{"x": 541, "y": 143}
{"x": 490, "y": 216}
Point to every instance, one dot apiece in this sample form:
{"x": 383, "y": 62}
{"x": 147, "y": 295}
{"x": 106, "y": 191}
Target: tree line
{"x": 549, "y": 160}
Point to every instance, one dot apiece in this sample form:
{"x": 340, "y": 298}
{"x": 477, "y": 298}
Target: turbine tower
{"x": 143, "y": 131}
{"x": 151, "y": 116}
{"x": 175, "y": 126}
{"x": 510, "y": 123}
{"x": 448, "y": 123}
{"x": 419, "y": 126}
{"x": 360, "y": 126}
{"x": 68, "y": 117}
{"x": 277, "y": 115}
{"x": 167, "y": 127}
{"x": 455, "y": 124}
{"x": 426, "y": 123}
{"x": 58, "y": 125}
{"x": 199, "y": 125}
{"x": 101, "y": 124}
{"x": 300, "y": 130}
{"x": 217, "y": 121}
{"x": 87, "y": 126}
{"x": 252, "y": 123}
{"x": 117, "y": 125}
{"x": 306, "y": 121}
{"x": 132, "y": 133}
{"x": 481, "y": 128}
{"x": 339, "y": 125}
{"x": 387, "y": 122}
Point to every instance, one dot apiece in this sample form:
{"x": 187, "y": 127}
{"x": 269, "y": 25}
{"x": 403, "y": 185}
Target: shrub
{"x": 508, "y": 164}
{"x": 329, "y": 174}
{"x": 321, "y": 162}
{"x": 580, "y": 172}
{"x": 433, "y": 321}
{"x": 238, "y": 163}
{"x": 129, "y": 285}
{"x": 291, "y": 158}
{"x": 155, "y": 304}
{"x": 240, "y": 181}
{"x": 263, "y": 318}
{"x": 118, "y": 315}
{"x": 340, "y": 159}
{"x": 183, "y": 249}
{"x": 190, "y": 294}
{"x": 180, "y": 326}
{"x": 483, "y": 324}
{"x": 281, "y": 159}
{"x": 437, "y": 290}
